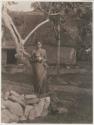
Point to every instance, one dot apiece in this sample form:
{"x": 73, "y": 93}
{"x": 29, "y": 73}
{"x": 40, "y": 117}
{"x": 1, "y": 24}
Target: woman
{"x": 39, "y": 67}
{"x": 38, "y": 60}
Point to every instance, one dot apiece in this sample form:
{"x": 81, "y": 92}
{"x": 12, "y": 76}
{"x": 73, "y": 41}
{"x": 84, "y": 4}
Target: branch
{"x": 39, "y": 25}
{"x": 42, "y": 8}
{"x": 7, "y": 21}
{"x": 15, "y": 29}
{"x": 10, "y": 25}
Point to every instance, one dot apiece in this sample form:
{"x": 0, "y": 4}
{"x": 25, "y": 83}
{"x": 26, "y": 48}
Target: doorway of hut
{"x": 11, "y": 56}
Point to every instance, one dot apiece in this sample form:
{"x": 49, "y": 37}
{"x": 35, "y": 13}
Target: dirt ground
{"x": 73, "y": 87}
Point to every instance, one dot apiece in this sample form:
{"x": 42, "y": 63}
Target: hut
{"x": 25, "y": 22}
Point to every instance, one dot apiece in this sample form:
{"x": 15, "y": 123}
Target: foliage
{"x": 76, "y": 19}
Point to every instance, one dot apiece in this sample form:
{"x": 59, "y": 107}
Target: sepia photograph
{"x": 46, "y": 62}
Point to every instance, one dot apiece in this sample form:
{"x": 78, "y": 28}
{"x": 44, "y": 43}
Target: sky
{"x": 21, "y": 6}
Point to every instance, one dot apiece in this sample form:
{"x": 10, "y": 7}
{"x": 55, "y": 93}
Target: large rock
{"x": 33, "y": 107}
{"x": 6, "y": 95}
{"x": 40, "y": 109}
{"x": 21, "y": 97}
{"x": 32, "y": 114}
{"x": 14, "y": 93}
{"x": 30, "y": 96}
{"x": 2, "y": 103}
{"x": 32, "y": 101}
{"x": 28, "y": 108}
{"x": 8, "y": 117}
{"x": 23, "y": 118}
{"x": 3, "y": 107}
{"x": 14, "y": 108}
{"x": 46, "y": 106}
{"x": 18, "y": 99}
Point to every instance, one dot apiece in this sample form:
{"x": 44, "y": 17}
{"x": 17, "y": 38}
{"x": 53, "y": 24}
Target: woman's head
{"x": 38, "y": 44}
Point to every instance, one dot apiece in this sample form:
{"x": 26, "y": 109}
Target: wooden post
{"x": 58, "y": 50}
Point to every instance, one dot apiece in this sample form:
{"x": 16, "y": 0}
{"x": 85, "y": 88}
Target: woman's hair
{"x": 37, "y": 42}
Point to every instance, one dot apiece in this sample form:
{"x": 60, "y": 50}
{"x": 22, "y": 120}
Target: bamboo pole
{"x": 58, "y": 50}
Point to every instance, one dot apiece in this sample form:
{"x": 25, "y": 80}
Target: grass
{"x": 81, "y": 109}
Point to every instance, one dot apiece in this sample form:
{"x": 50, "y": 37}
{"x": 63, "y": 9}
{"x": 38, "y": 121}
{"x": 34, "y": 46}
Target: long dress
{"x": 39, "y": 72}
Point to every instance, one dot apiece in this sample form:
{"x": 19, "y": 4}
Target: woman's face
{"x": 39, "y": 45}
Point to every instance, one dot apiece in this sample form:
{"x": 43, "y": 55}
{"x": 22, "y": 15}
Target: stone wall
{"x": 16, "y": 107}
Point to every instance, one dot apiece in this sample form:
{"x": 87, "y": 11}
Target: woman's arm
{"x": 26, "y": 54}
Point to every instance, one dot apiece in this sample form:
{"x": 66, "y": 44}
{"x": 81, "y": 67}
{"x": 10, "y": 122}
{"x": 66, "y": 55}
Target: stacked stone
{"x": 16, "y": 107}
